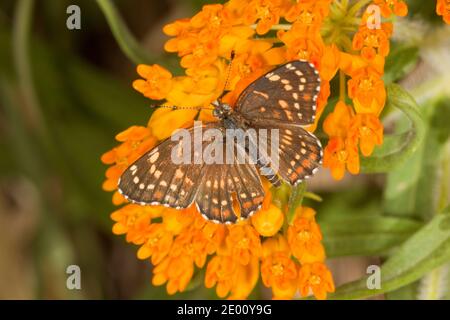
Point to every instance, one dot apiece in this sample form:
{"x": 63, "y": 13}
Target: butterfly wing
{"x": 287, "y": 94}
{"x": 154, "y": 179}
{"x": 222, "y": 184}
{"x": 298, "y": 155}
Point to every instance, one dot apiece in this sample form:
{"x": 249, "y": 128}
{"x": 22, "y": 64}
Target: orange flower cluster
{"x": 443, "y": 9}
{"x": 357, "y": 128}
{"x": 288, "y": 257}
{"x": 285, "y": 253}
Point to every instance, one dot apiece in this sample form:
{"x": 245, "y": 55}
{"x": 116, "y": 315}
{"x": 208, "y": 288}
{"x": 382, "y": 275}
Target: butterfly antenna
{"x": 182, "y": 108}
{"x": 221, "y": 96}
{"x": 233, "y": 54}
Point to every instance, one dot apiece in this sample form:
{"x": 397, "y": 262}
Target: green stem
{"x": 295, "y": 200}
{"x": 127, "y": 42}
{"x": 285, "y": 26}
{"x": 353, "y": 11}
{"x": 20, "y": 41}
{"x": 342, "y": 86}
{"x": 384, "y": 161}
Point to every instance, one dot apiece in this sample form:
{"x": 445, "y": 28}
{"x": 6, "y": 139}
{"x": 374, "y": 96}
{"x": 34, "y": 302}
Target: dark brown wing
{"x": 222, "y": 184}
{"x": 155, "y": 179}
{"x": 287, "y": 94}
{"x": 298, "y": 156}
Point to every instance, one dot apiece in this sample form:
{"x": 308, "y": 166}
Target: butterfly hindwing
{"x": 298, "y": 156}
{"x": 224, "y": 183}
{"x": 285, "y": 94}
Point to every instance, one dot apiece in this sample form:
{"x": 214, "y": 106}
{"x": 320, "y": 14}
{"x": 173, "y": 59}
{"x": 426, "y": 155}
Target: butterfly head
{"x": 221, "y": 110}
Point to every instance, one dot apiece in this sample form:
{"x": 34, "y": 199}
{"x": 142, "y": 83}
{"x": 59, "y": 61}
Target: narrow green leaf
{"x": 366, "y": 235}
{"x": 424, "y": 251}
{"x": 413, "y": 189}
{"x": 400, "y": 61}
{"x": 385, "y": 158}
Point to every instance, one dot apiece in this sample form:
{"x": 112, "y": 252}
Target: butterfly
{"x": 283, "y": 99}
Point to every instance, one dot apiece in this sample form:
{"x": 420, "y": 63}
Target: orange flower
{"x": 157, "y": 83}
{"x": 268, "y": 222}
{"x": 220, "y": 271}
{"x": 243, "y": 242}
{"x": 373, "y": 41}
{"x": 329, "y": 63}
{"x": 231, "y": 277}
{"x": 209, "y": 17}
{"x": 367, "y": 90}
{"x": 192, "y": 243}
{"x": 443, "y": 9}
{"x": 304, "y": 237}
{"x": 175, "y": 271}
{"x": 398, "y": 7}
{"x": 265, "y": 12}
{"x": 135, "y": 142}
{"x": 195, "y": 39}
{"x": 278, "y": 271}
{"x": 317, "y": 278}
{"x": 337, "y": 123}
{"x": 369, "y": 130}
{"x": 176, "y": 221}
{"x": 302, "y": 44}
{"x": 309, "y": 12}
{"x": 245, "y": 280}
{"x": 340, "y": 154}
{"x": 341, "y": 151}
{"x": 157, "y": 244}
{"x": 134, "y": 220}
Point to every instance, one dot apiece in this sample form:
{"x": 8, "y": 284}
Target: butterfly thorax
{"x": 230, "y": 119}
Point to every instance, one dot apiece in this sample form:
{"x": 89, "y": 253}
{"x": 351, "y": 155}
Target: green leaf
{"x": 400, "y": 147}
{"x": 434, "y": 285}
{"x": 413, "y": 189}
{"x": 408, "y": 292}
{"x": 366, "y": 235}
{"x": 427, "y": 249}
{"x": 400, "y": 61}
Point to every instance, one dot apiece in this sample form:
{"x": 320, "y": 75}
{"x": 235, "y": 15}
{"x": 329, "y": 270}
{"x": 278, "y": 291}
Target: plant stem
{"x": 285, "y": 26}
{"x": 342, "y": 87}
{"x": 20, "y": 40}
{"x": 295, "y": 200}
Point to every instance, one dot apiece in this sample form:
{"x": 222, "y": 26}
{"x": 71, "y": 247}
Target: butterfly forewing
{"x": 156, "y": 179}
{"x": 285, "y": 94}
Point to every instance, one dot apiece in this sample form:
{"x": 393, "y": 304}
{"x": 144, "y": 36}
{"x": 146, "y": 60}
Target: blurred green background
{"x": 64, "y": 94}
